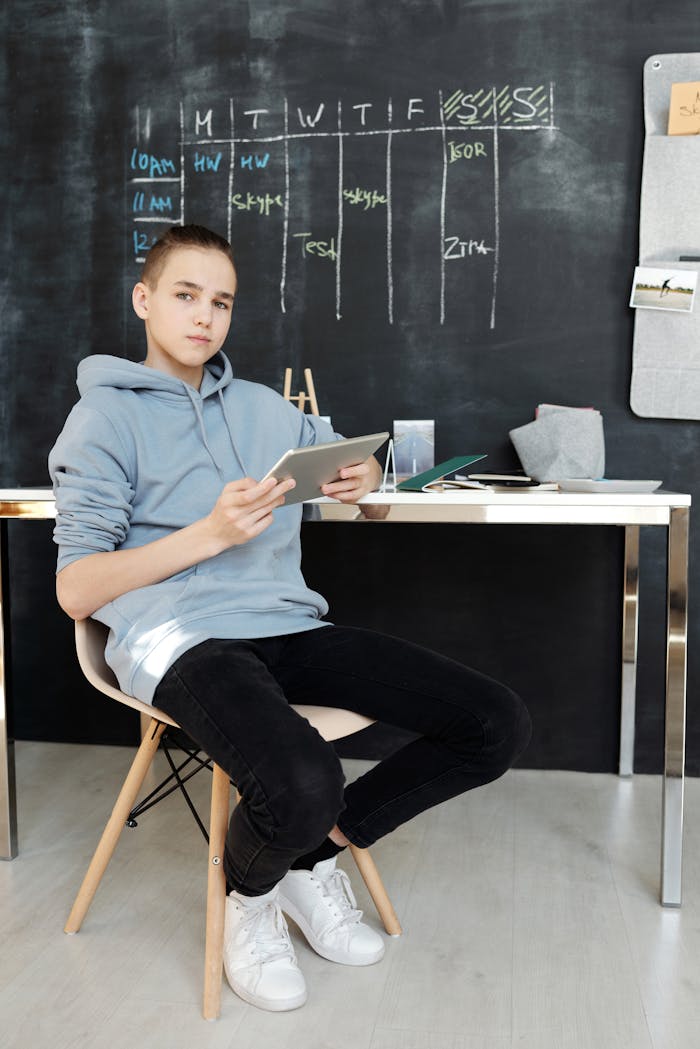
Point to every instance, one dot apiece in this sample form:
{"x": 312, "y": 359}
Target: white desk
{"x": 29, "y": 504}
{"x": 669, "y": 510}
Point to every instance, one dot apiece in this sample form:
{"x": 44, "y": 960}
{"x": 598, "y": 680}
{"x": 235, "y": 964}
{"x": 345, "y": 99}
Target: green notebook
{"x": 450, "y": 466}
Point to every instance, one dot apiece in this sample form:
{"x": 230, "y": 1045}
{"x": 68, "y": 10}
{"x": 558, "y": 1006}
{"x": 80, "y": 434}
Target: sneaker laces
{"x": 337, "y": 887}
{"x": 267, "y": 932}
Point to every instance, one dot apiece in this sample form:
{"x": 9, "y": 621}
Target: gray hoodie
{"x": 143, "y": 454}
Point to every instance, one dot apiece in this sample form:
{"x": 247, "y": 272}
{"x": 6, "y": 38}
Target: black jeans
{"x": 233, "y": 699}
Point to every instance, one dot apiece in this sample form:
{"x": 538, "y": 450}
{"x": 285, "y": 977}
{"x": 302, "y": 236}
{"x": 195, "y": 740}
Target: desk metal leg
{"x": 8, "y": 797}
{"x": 630, "y": 618}
{"x": 674, "y": 745}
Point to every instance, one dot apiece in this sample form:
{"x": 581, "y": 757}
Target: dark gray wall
{"x": 538, "y": 607}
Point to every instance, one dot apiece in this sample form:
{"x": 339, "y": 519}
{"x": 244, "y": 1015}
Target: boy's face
{"x": 187, "y": 314}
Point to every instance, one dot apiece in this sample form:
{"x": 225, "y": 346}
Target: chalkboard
{"x": 434, "y": 206}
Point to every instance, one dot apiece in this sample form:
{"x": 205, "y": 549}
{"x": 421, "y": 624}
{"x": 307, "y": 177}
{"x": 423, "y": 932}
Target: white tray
{"x": 582, "y": 484}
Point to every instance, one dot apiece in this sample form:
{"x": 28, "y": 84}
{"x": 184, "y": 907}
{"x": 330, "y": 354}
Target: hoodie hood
{"x": 118, "y": 373}
{"x": 102, "y": 370}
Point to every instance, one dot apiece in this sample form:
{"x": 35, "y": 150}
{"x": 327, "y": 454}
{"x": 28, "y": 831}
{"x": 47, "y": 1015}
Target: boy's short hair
{"x": 181, "y": 237}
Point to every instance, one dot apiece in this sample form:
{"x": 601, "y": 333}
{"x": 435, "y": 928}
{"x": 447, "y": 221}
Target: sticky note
{"x": 684, "y": 112}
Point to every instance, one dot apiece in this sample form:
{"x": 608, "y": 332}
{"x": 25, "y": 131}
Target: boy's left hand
{"x": 355, "y": 481}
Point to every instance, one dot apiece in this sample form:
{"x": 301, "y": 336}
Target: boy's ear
{"x": 139, "y": 299}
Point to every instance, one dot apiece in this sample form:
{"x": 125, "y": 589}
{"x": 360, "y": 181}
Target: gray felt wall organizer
{"x": 666, "y": 355}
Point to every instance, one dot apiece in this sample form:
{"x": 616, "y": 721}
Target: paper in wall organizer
{"x": 666, "y": 350}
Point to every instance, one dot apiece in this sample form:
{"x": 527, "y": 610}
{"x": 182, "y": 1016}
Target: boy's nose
{"x": 203, "y": 317}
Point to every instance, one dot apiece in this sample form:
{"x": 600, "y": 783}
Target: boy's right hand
{"x": 244, "y": 510}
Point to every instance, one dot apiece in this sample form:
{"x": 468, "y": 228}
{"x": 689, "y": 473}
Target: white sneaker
{"x": 259, "y": 958}
{"x": 322, "y": 904}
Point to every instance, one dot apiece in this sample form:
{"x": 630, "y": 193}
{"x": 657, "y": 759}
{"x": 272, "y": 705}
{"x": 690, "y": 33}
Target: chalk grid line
{"x": 390, "y": 130}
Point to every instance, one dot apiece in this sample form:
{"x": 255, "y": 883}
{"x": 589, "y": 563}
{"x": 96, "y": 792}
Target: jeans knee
{"x": 509, "y": 729}
{"x": 309, "y": 801}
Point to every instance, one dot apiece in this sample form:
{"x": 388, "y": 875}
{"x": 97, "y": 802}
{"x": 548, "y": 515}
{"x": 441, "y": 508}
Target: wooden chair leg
{"x": 216, "y": 894}
{"x": 115, "y": 825}
{"x": 375, "y": 887}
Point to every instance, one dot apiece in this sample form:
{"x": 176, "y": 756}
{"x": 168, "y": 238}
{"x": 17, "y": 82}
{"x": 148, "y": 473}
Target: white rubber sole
{"x": 333, "y": 956}
{"x": 282, "y": 1005}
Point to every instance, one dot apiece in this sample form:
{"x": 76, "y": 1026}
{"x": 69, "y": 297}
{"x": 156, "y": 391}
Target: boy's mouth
{"x": 199, "y": 338}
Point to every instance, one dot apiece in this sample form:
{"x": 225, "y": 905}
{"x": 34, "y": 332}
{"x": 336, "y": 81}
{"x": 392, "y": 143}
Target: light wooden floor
{"x": 529, "y": 908}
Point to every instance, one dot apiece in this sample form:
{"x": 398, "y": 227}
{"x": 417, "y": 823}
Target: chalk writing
{"x": 306, "y": 120}
{"x": 465, "y": 150}
{"x": 462, "y": 249}
{"x": 149, "y": 202}
{"x": 460, "y": 186}
{"x": 262, "y": 203}
{"x": 509, "y": 105}
{"x": 255, "y": 113}
{"x": 203, "y": 162}
{"x": 155, "y": 166}
{"x": 203, "y": 122}
{"x": 253, "y": 158}
{"x": 368, "y": 198}
{"x": 142, "y": 242}
{"x": 324, "y": 249}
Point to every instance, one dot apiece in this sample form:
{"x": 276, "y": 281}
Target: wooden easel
{"x": 303, "y": 395}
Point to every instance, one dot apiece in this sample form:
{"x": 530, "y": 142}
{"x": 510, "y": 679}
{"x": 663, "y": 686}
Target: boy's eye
{"x": 184, "y": 295}
{"x": 221, "y": 305}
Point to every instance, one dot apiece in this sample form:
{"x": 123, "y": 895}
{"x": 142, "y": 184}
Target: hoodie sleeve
{"x": 94, "y": 494}
{"x": 315, "y": 430}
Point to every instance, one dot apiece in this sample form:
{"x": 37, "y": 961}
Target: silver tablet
{"x": 320, "y": 464}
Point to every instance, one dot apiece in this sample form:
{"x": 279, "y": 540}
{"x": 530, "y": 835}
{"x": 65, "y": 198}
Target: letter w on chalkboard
{"x": 306, "y": 120}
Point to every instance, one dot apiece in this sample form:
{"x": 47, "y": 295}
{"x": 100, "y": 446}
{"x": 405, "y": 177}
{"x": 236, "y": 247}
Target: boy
{"x": 166, "y": 536}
